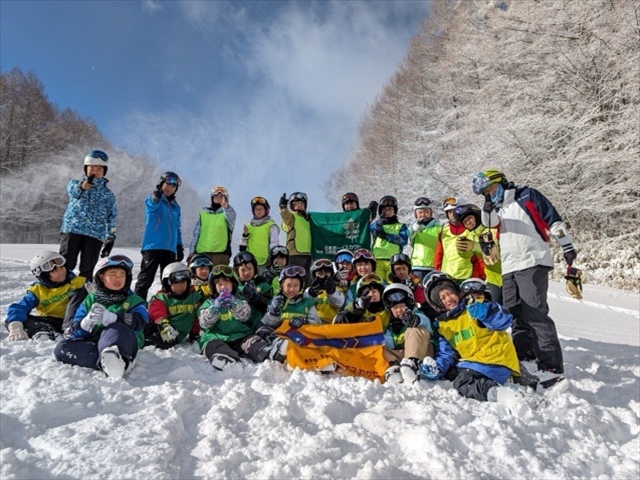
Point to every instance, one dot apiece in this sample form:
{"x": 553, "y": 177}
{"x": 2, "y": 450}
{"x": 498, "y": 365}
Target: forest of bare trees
{"x": 43, "y": 147}
{"x": 547, "y": 91}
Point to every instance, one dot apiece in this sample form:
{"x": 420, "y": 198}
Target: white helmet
{"x": 174, "y": 273}
{"x": 96, "y": 157}
{"x": 45, "y": 262}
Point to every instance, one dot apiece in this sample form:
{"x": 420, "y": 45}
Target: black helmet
{"x": 245, "y": 257}
{"x": 469, "y": 210}
{"x": 388, "y": 201}
{"x": 223, "y": 271}
{"x": 260, "y": 201}
{"x": 171, "y": 178}
{"x": 350, "y": 197}
{"x": 298, "y": 196}
{"x": 199, "y": 260}
{"x": 433, "y": 283}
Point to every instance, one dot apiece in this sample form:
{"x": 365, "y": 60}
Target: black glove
{"x": 283, "y": 201}
{"x": 409, "y": 319}
{"x": 158, "y": 191}
{"x": 330, "y": 284}
{"x": 297, "y": 322}
{"x": 488, "y": 204}
{"x": 107, "y": 247}
{"x": 179, "y": 253}
{"x": 275, "y": 307}
{"x": 341, "y": 318}
{"x": 424, "y": 222}
{"x": 316, "y": 287}
{"x": 242, "y": 248}
{"x": 265, "y": 332}
{"x": 570, "y": 254}
{"x": 250, "y": 291}
{"x": 373, "y": 208}
{"x": 362, "y": 302}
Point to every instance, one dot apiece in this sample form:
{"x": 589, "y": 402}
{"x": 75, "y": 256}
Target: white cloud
{"x": 152, "y": 6}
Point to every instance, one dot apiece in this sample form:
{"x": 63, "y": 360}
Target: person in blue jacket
{"x": 55, "y": 289}
{"x": 89, "y": 222}
{"x": 162, "y": 240}
{"x": 472, "y": 336}
{"x": 107, "y": 329}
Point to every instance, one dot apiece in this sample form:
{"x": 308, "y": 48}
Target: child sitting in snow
{"x": 174, "y": 309}
{"x": 200, "y": 267}
{"x": 107, "y": 329}
{"x": 324, "y": 288}
{"x": 252, "y": 285}
{"x": 473, "y": 337}
{"x": 50, "y": 296}
{"x": 278, "y": 259}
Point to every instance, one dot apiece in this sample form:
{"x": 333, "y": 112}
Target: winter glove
{"x": 409, "y": 319}
{"x": 167, "y": 333}
{"x": 490, "y": 254}
{"x": 362, "y": 302}
{"x": 376, "y": 228}
{"x": 297, "y": 322}
{"x": 209, "y": 316}
{"x": 179, "y": 253}
{"x": 464, "y": 244}
{"x": 373, "y": 208}
{"x": 570, "y": 254}
{"x": 283, "y": 201}
{"x": 429, "y": 369}
{"x": 107, "y": 247}
{"x": 340, "y": 318}
{"x": 265, "y": 332}
{"x": 331, "y": 283}
{"x": 242, "y": 248}
{"x": 317, "y": 286}
{"x": 224, "y": 299}
{"x": 275, "y": 307}
{"x": 488, "y": 204}
{"x": 101, "y": 315}
{"x": 344, "y": 274}
{"x": 16, "y": 332}
{"x": 88, "y": 183}
{"x": 241, "y": 310}
{"x": 89, "y": 322}
{"x": 417, "y": 226}
{"x": 157, "y": 193}
{"x": 574, "y": 282}
{"x": 249, "y": 290}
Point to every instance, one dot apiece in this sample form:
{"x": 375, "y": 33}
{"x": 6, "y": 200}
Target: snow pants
{"x": 151, "y": 260}
{"x": 252, "y": 346}
{"x": 416, "y": 345}
{"x": 35, "y": 324}
{"x": 86, "y": 353}
{"x": 524, "y": 294}
{"x": 72, "y": 245}
{"x": 472, "y": 384}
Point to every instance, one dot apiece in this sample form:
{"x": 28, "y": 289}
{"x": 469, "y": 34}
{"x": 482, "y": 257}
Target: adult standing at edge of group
{"x": 526, "y": 219}
{"x": 296, "y": 224}
{"x": 212, "y": 233}
{"x": 89, "y": 222}
{"x": 162, "y": 239}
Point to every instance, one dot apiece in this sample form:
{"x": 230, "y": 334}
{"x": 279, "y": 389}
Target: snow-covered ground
{"x": 174, "y": 417}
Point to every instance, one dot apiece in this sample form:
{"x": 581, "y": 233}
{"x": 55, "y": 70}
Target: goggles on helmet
{"x": 362, "y": 254}
{"x": 369, "y": 279}
{"x": 201, "y": 262}
{"x": 243, "y": 257}
{"x": 172, "y": 179}
{"x": 279, "y": 251}
{"x": 394, "y": 298}
{"x": 118, "y": 260}
{"x": 259, "y": 201}
{"x": 473, "y": 285}
{"x": 344, "y": 257}
{"x": 349, "y": 197}
{"x": 449, "y": 201}
{"x": 298, "y": 196}
{"x": 99, "y": 154}
{"x": 323, "y": 263}
{"x": 49, "y": 265}
{"x": 219, "y": 191}
{"x": 179, "y": 277}
{"x": 293, "y": 271}
{"x": 422, "y": 202}
{"x": 400, "y": 258}
{"x": 223, "y": 271}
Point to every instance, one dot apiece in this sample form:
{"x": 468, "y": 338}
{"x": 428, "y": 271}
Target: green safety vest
{"x": 303, "y": 234}
{"x": 455, "y": 263}
{"x": 424, "y": 245}
{"x": 214, "y": 233}
{"x": 383, "y": 249}
{"x": 258, "y": 242}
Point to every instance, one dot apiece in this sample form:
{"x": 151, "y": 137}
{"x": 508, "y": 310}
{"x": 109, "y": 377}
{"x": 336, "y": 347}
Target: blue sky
{"x": 262, "y": 97}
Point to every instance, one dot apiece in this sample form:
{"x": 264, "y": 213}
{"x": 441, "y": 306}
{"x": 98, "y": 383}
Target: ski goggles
{"x": 370, "y": 279}
{"x": 293, "y": 271}
{"x": 298, "y": 196}
{"x": 473, "y": 285}
{"x": 219, "y": 191}
{"x": 344, "y": 257}
{"x": 279, "y": 251}
{"x": 243, "y": 257}
{"x": 362, "y": 254}
{"x": 49, "y": 265}
{"x": 349, "y": 197}
{"x": 259, "y": 201}
{"x": 179, "y": 277}
{"x": 422, "y": 202}
{"x": 113, "y": 261}
{"x": 395, "y": 297}
{"x": 99, "y": 154}
{"x": 173, "y": 180}
{"x": 400, "y": 258}
{"x": 223, "y": 271}
{"x": 200, "y": 262}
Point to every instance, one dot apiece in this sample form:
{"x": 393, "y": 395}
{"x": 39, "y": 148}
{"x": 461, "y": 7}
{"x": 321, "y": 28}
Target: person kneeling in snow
{"x": 473, "y": 337}
{"x": 107, "y": 329}
{"x": 228, "y": 324}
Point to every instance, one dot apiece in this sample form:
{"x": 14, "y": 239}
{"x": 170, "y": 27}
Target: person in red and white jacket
{"x": 526, "y": 220}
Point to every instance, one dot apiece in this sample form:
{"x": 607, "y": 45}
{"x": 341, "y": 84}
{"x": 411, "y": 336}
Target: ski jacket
{"x": 181, "y": 312}
{"x": 264, "y": 293}
{"x": 132, "y": 312}
{"x": 424, "y": 241}
{"x": 354, "y": 315}
{"x": 459, "y": 265}
{"x": 262, "y": 235}
{"x": 49, "y": 300}
{"x": 327, "y": 305}
{"x": 90, "y": 212}
{"x": 395, "y": 341}
{"x": 213, "y": 230}
{"x": 226, "y": 324}
{"x": 201, "y": 286}
{"x": 298, "y": 229}
{"x": 390, "y": 240}
{"x": 476, "y": 337}
{"x": 163, "y": 225}
{"x": 298, "y": 306}
{"x": 526, "y": 219}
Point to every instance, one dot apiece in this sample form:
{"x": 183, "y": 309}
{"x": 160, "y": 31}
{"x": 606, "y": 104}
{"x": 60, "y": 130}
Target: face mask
{"x": 496, "y": 197}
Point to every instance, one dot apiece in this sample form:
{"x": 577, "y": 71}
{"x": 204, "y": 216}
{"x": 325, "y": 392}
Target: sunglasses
{"x": 473, "y": 286}
{"x": 349, "y": 197}
{"x": 49, "y": 265}
{"x": 179, "y": 277}
{"x": 423, "y": 202}
{"x": 362, "y": 254}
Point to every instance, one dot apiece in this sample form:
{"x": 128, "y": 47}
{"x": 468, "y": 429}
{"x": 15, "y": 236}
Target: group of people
{"x": 444, "y": 307}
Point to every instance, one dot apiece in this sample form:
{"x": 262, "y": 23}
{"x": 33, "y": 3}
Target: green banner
{"x": 334, "y": 231}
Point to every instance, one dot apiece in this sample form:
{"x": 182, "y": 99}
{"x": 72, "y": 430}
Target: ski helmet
{"x": 364, "y": 255}
{"x": 463, "y": 211}
{"x": 400, "y": 258}
{"x": 199, "y": 260}
{"x": 278, "y": 251}
{"x": 388, "y": 201}
{"x": 474, "y": 285}
{"x": 298, "y": 196}
{"x": 435, "y": 281}
{"x": 422, "y": 203}
{"x": 451, "y": 203}
{"x": 245, "y": 257}
{"x": 45, "y": 262}
{"x": 343, "y": 255}
{"x": 370, "y": 280}
{"x": 223, "y": 271}
{"x": 215, "y": 191}
{"x": 172, "y": 179}
{"x": 323, "y": 264}
{"x": 260, "y": 201}
{"x": 175, "y": 272}
{"x": 293, "y": 271}
{"x": 485, "y": 178}
{"x": 96, "y": 157}
{"x": 350, "y": 197}
{"x": 398, "y": 293}
{"x": 119, "y": 261}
